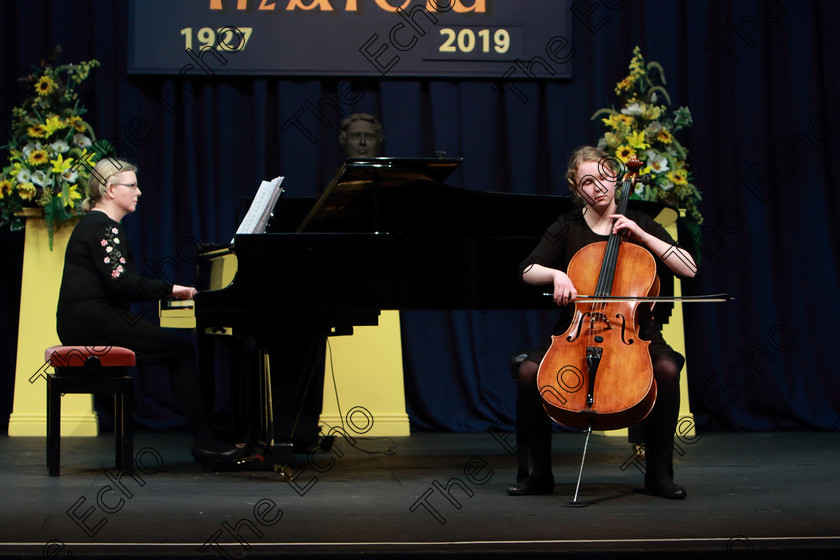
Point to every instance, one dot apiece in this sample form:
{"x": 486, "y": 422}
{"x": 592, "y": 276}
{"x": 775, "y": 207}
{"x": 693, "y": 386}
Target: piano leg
{"x": 207, "y": 370}
{"x": 246, "y": 402}
{"x": 240, "y": 361}
{"x": 294, "y": 390}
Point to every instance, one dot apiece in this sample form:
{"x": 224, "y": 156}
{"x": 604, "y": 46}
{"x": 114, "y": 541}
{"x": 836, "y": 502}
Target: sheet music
{"x": 256, "y": 219}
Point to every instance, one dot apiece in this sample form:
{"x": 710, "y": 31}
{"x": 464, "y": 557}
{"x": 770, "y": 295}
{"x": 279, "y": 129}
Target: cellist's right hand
{"x": 564, "y": 290}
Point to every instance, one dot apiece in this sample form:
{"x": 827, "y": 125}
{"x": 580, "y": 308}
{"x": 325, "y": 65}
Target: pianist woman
{"x": 594, "y": 221}
{"x": 99, "y": 283}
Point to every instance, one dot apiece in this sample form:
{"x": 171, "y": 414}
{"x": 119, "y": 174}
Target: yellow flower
{"x": 637, "y": 140}
{"x": 77, "y": 123}
{"x": 624, "y": 152}
{"x": 679, "y": 176}
{"x": 624, "y": 85}
{"x": 37, "y": 157}
{"x": 72, "y": 196}
{"x": 54, "y": 124}
{"x": 618, "y": 121}
{"x": 37, "y": 131}
{"x": 613, "y": 140}
{"x": 60, "y": 165}
{"x": 45, "y": 86}
{"x": 637, "y": 68}
{"x": 5, "y": 188}
{"x": 26, "y": 191}
{"x": 664, "y": 136}
{"x": 610, "y": 121}
{"x": 652, "y": 112}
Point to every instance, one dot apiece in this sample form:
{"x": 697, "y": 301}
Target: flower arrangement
{"x": 48, "y": 137}
{"x": 642, "y": 126}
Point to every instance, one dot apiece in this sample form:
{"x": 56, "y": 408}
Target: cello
{"x": 599, "y": 374}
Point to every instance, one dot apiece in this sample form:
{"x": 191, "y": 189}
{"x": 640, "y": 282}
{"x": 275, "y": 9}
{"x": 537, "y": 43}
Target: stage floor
{"x": 754, "y": 495}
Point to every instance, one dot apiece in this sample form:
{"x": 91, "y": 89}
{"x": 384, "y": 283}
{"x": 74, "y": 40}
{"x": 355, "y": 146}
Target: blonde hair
{"x": 584, "y": 154}
{"x": 100, "y": 176}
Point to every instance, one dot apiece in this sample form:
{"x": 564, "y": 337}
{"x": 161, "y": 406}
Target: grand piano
{"x": 387, "y": 233}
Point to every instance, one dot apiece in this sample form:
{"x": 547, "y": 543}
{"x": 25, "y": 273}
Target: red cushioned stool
{"x": 91, "y": 370}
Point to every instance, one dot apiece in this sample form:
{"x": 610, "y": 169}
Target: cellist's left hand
{"x": 675, "y": 258}
{"x": 627, "y": 227}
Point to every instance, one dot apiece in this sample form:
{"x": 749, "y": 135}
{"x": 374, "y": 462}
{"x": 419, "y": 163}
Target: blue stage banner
{"x": 513, "y": 39}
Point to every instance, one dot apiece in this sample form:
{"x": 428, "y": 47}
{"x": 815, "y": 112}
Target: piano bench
{"x": 91, "y": 370}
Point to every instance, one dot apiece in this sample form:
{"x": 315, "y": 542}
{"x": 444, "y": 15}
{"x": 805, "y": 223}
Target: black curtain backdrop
{"x": 761, "y": 80}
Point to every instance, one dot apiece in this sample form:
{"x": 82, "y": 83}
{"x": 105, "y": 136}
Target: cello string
{"x": 608, "y": 268}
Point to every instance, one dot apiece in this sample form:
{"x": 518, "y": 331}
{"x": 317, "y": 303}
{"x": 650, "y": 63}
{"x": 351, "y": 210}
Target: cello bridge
{"x": 595, "y": 317}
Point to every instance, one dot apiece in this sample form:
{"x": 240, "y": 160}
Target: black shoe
{"x": 207, "y": 458}
{"x": 666, "y": 489}
{"x": 532, "y": 486}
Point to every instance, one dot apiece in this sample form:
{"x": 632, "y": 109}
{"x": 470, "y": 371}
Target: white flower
{"x": 60, "y": 146}
{"x": 24, "y": 175}
{"x": 40, "y": 178}
{"x": 666, "y": 185}
{"x": 70, "y": 176}
{"x": 29, "y": 148}
{"x": 634, "y": 110}
{"x": 640, "y": 189}
{"x": 81, "y": 140}
{"x": 657, "y": 162}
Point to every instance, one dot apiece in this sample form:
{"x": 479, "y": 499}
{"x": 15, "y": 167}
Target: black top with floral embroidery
{"x": 99, "y": 271}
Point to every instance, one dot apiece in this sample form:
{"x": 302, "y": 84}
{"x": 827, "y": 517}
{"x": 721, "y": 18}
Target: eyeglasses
{"x": 132, "y": 186}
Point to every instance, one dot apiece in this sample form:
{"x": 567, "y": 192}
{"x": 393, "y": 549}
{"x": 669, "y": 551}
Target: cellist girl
{"x": 592, "y": 179}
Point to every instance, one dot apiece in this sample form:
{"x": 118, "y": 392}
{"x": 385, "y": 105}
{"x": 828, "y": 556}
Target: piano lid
{"x": 355, "y": 188}
{"x": 406, "y": 195}
{"x": 438, "y": 169}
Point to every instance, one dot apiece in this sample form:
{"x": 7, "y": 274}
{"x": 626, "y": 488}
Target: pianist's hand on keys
{"x": 183, "y": 292}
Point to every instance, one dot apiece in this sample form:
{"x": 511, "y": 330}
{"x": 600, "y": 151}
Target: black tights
{"x": 178, "y": 356}
{"x": 533, "y": 426}
{"x": 185, "y": 383}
